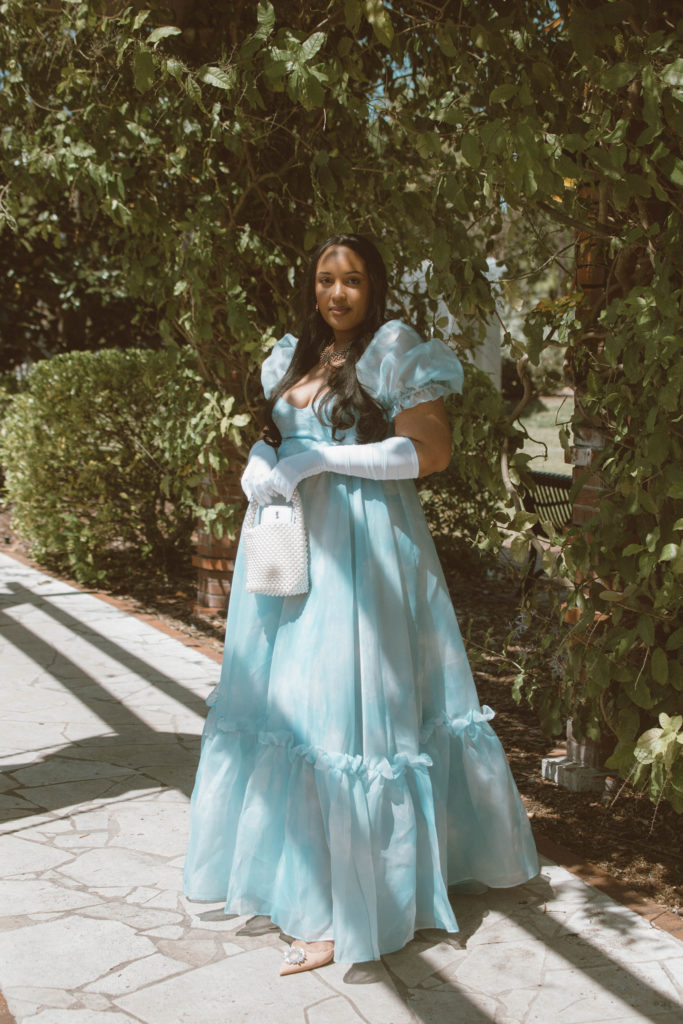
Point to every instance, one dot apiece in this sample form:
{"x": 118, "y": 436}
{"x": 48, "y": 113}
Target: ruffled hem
{"x": 327, "y": 843}
{"x": 455, "y": 725}
{"x": 366, "y": 768}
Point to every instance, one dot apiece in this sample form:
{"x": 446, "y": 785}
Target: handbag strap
{"x": 250, "y": 517}
{"x": 298, "y": 507}
{"x": 254, "y": 506}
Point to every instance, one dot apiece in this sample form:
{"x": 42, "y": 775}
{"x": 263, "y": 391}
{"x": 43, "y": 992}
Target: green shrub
{"x": 10, "y": 385}
{"x": 104, "y": 453}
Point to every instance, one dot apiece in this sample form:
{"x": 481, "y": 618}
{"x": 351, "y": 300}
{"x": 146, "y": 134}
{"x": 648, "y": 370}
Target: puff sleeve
{"x": 275, "y": 366}
{"x": 401, "y": 370}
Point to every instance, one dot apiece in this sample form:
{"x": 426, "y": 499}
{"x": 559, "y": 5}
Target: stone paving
{"x": 99, "y": 738}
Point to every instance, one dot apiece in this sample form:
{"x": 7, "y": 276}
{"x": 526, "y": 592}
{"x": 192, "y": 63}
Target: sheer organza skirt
{"x": 348, "y": 774}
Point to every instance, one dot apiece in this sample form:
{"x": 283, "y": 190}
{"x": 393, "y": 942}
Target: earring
{"x": 316, "y": 308}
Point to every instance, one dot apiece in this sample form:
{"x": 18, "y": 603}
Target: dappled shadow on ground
{"x": 140, "y": 756}
{"x": 513, "y": 944}
{"x": 544, "y": 951}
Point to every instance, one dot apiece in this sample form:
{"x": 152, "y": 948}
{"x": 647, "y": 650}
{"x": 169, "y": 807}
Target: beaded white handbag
{"x": 276, "y": 552}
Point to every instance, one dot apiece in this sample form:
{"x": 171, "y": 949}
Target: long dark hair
{"x": 346, "y": 403}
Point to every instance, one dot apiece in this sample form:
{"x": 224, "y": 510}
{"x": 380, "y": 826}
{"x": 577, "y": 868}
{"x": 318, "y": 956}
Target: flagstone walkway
{"x": 100, "y": 721}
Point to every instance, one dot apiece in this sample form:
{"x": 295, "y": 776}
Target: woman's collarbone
{"x": 302, "y": 394}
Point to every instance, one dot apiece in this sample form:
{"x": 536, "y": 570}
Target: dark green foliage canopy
{"x": 170, "y": 167}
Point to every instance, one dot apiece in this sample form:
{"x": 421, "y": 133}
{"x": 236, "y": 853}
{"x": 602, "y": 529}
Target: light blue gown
{"x": 348, "y": 773}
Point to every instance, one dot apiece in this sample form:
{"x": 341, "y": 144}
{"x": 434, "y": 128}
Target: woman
{"x": 348, "y": 774}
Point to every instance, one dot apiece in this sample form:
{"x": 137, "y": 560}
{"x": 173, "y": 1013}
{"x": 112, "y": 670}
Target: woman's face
{"x": 342, "y": 291}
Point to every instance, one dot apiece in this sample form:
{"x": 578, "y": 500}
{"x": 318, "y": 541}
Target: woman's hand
{"x": 428, "y": 428}
{"x": 285, "y": 476}
{"x": 262, "y": 458}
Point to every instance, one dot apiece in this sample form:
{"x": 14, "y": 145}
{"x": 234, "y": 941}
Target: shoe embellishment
{"x": 294, "y": 955}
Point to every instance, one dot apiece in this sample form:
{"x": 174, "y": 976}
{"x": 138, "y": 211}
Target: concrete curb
{"x": 653, "y": 912}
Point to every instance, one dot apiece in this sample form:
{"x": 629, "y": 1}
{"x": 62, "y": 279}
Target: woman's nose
{"x": 338, "y": 288}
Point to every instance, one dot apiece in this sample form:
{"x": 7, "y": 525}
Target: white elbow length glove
{"x": 262, "y": 458}
{"x": 392, "y": 459}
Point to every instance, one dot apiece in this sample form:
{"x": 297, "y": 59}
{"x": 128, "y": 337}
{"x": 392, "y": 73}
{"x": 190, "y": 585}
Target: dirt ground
{"x": 622, "y": 837}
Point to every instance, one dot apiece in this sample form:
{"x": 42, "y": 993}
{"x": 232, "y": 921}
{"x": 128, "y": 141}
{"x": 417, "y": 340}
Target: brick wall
{"x": 588, "y": 445}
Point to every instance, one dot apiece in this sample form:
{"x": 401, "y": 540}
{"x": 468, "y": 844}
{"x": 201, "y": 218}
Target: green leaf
{"x": 646, "y": 630}
{"x": 648, "y": 746}
{"x": 673, "y": 74}
{"x": 669, "y": 552}
{"x": 140, "y": 18}
{"x": 162, "y": 33}
{"x": 175, "y": 68}
{"x": 675, "y": 490}
{"x": 310, "y": 46}
{"x": 471, "y": 151}
{"x": 444, "y": 38}
{"x": 669, "y": 396}
{"x": 265, "y": 15}
{"x": 353, "y": 13}
{"x": 193, "y": 90}
{"x": 675, "y": 641}
{"x": 215, "y": 76}
{"x": 621, "y": 759}
{"x": 428, "y": 144}
{"x": 119, "y": 213}
{"x": 660, "y": 666}
{"x": 582, "y": 34}
{"x": 618, "y": 76}
{"x": 646, "y": 501}
{"x": 628, "y": 723}
{"x": 676, "y": 174}
{"x": 143, "y": 70}
{"x": 378, "y": 16}
{"x": 502, "y": 93}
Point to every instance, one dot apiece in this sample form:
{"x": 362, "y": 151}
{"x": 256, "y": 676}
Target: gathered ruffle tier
{"x": 336, "y": 846}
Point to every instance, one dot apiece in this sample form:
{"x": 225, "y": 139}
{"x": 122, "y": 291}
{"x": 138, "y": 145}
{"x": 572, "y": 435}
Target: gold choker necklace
{"x": 334, "y": 357}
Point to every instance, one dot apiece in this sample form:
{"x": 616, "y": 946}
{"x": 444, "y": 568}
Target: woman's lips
{"x": 340, "y": 310}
